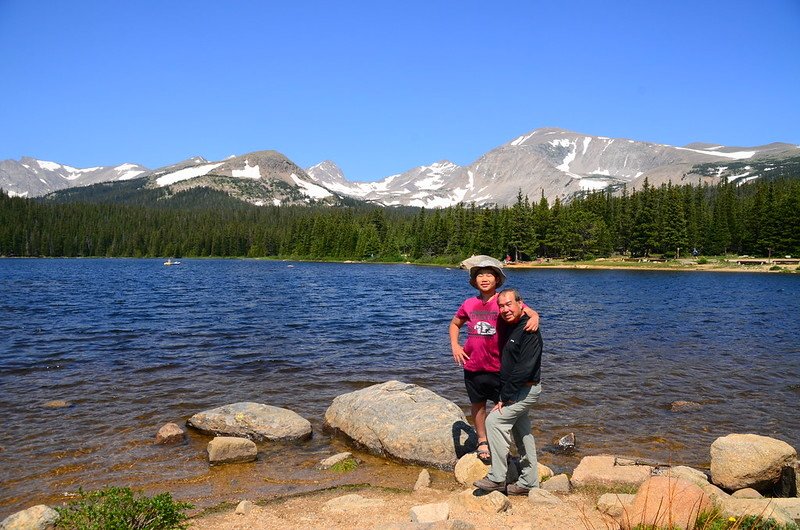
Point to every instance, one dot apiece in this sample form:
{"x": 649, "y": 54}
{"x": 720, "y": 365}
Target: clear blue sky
{"x": 381, "y": 87}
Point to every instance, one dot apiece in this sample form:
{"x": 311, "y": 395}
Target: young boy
{"x": 480, "y": 355}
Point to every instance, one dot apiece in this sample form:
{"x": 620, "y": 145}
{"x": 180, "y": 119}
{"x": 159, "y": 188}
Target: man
{"x": 520, "y": 373}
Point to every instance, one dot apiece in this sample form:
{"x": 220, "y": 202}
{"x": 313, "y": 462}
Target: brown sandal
{"x": 484, "y": 455}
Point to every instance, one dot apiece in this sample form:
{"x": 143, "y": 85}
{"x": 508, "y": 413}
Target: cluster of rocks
{"x": 744, "y": 467}
{"x": 397, "y": 420}
{"x": 412, "y": 424}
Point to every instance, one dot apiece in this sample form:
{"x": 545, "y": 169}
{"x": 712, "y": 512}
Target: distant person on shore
{"x": 480, "y": 355}
{"x": 520, "y": 386}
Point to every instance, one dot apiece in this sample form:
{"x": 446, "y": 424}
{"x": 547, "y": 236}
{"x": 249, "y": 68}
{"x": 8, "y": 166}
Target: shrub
{"x": 775, "y": 268}
{"x": 122, "y": 509}
{"x": 702, "y": 261}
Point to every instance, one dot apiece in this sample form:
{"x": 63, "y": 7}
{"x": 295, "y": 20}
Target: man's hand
{"x": 459, "y": 355}
{"x": 533, "y": 320}
{"x": 497, "y": 407}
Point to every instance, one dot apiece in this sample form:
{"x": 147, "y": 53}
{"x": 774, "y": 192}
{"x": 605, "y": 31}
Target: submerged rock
{"x": 170, "y": 434}
{"x": 57, "y": 404}
{"x": 684, "y": 406}
{"x": 231, "y": 450}
{"x": 566, "y": 443}
{"x": 335, "y": 459}
{"x": 403, "y": 421}
{"x": 255, "y": 421}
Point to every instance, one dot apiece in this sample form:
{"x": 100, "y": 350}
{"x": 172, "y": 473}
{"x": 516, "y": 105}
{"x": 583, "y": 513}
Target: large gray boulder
{"x": 403, "y": 421}
{"x": 255, "y": 421}
{"x": 749, "y": 461}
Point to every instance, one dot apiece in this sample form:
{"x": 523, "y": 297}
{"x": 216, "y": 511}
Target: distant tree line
{"x": 756, "y": 218}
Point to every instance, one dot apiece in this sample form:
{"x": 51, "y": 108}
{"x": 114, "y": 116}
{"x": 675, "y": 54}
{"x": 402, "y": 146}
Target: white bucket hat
{"x": 476, "y": 263}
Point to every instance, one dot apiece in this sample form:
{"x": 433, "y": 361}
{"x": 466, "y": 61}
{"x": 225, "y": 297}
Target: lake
{"x": 132, "y": 344}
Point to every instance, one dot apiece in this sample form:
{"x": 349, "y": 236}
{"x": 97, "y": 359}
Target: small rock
{"x": 557, "y": 484}
{"x": 688, "y": 473}
{"x": 335, "y": 459}
{"x": 540, "y": 496}
{"x": 430, "y": 513}
{"x": 566, "y": 443}
{"x": 684, "y": 406}
{"x": 244, "y": 507}
{"x": 170, "y": 434}
{"x": 231, "y": 450}
{"x": 423, "y": 480}
{"x": 57, "y": 404}
{"x": 475, "y": 501}
{"x": 352, "y": 502}
{"x": 545, "y": 473}
{"x": 38, "y": 517}
{"x": 601, "y": 470}
{"x": 615, "y": 504}
{"x": 469, "y": 468}
{"x": 746, "y": 493}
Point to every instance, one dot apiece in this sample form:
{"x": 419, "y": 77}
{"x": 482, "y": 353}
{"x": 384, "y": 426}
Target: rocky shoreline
{"x": 750, "y": 474}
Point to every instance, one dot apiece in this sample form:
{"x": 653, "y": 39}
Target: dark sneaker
{"x": 486, "y": 484}
{"x": 513, "y": 489}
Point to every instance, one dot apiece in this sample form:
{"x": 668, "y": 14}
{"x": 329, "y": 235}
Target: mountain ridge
{"x": 549, "y": 161}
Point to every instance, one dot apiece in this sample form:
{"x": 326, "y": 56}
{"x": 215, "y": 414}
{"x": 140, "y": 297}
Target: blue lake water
{"x": 132, "y": 344}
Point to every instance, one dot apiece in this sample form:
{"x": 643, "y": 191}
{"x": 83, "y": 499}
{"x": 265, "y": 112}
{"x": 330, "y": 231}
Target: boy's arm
{"x": 459, "y": 355}
{"x": 533, "y": 319}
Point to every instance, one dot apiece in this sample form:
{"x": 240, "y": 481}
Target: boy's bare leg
{"x": 479, "y": 416}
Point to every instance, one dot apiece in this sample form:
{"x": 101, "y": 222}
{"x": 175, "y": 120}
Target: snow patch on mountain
{"x": 570, "y": 156}
{"x": 738, "y": 155}
{"x": 593, "y": 184}
{"x": 249, "y": 172}
{"x": 586, "y": 141}
{"x": 130, "y": 174}
{"x": 185, "y": 174}
{"x": 312, "y": 190}
{"x": 49, "y": 166}
{"x": 521, "y": 139}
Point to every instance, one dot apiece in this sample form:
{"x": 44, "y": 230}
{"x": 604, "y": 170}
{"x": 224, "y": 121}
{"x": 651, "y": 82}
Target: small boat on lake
{"x": 170, "y": 262}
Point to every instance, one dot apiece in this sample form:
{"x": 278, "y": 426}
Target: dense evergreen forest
{"x": 756, "y": 218}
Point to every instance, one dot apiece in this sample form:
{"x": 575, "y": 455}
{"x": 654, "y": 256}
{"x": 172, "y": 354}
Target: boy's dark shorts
{"x": 482, "y": 386}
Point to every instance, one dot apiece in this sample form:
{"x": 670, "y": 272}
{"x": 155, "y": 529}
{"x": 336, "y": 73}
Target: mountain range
{"x": 552, "y": 162}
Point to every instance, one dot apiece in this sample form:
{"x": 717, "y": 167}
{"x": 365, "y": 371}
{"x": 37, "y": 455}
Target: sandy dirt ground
{"x": 390, "y": 509}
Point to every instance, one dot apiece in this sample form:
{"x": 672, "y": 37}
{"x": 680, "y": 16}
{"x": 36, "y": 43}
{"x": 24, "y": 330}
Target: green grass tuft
{"x": 346, "y": 465}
